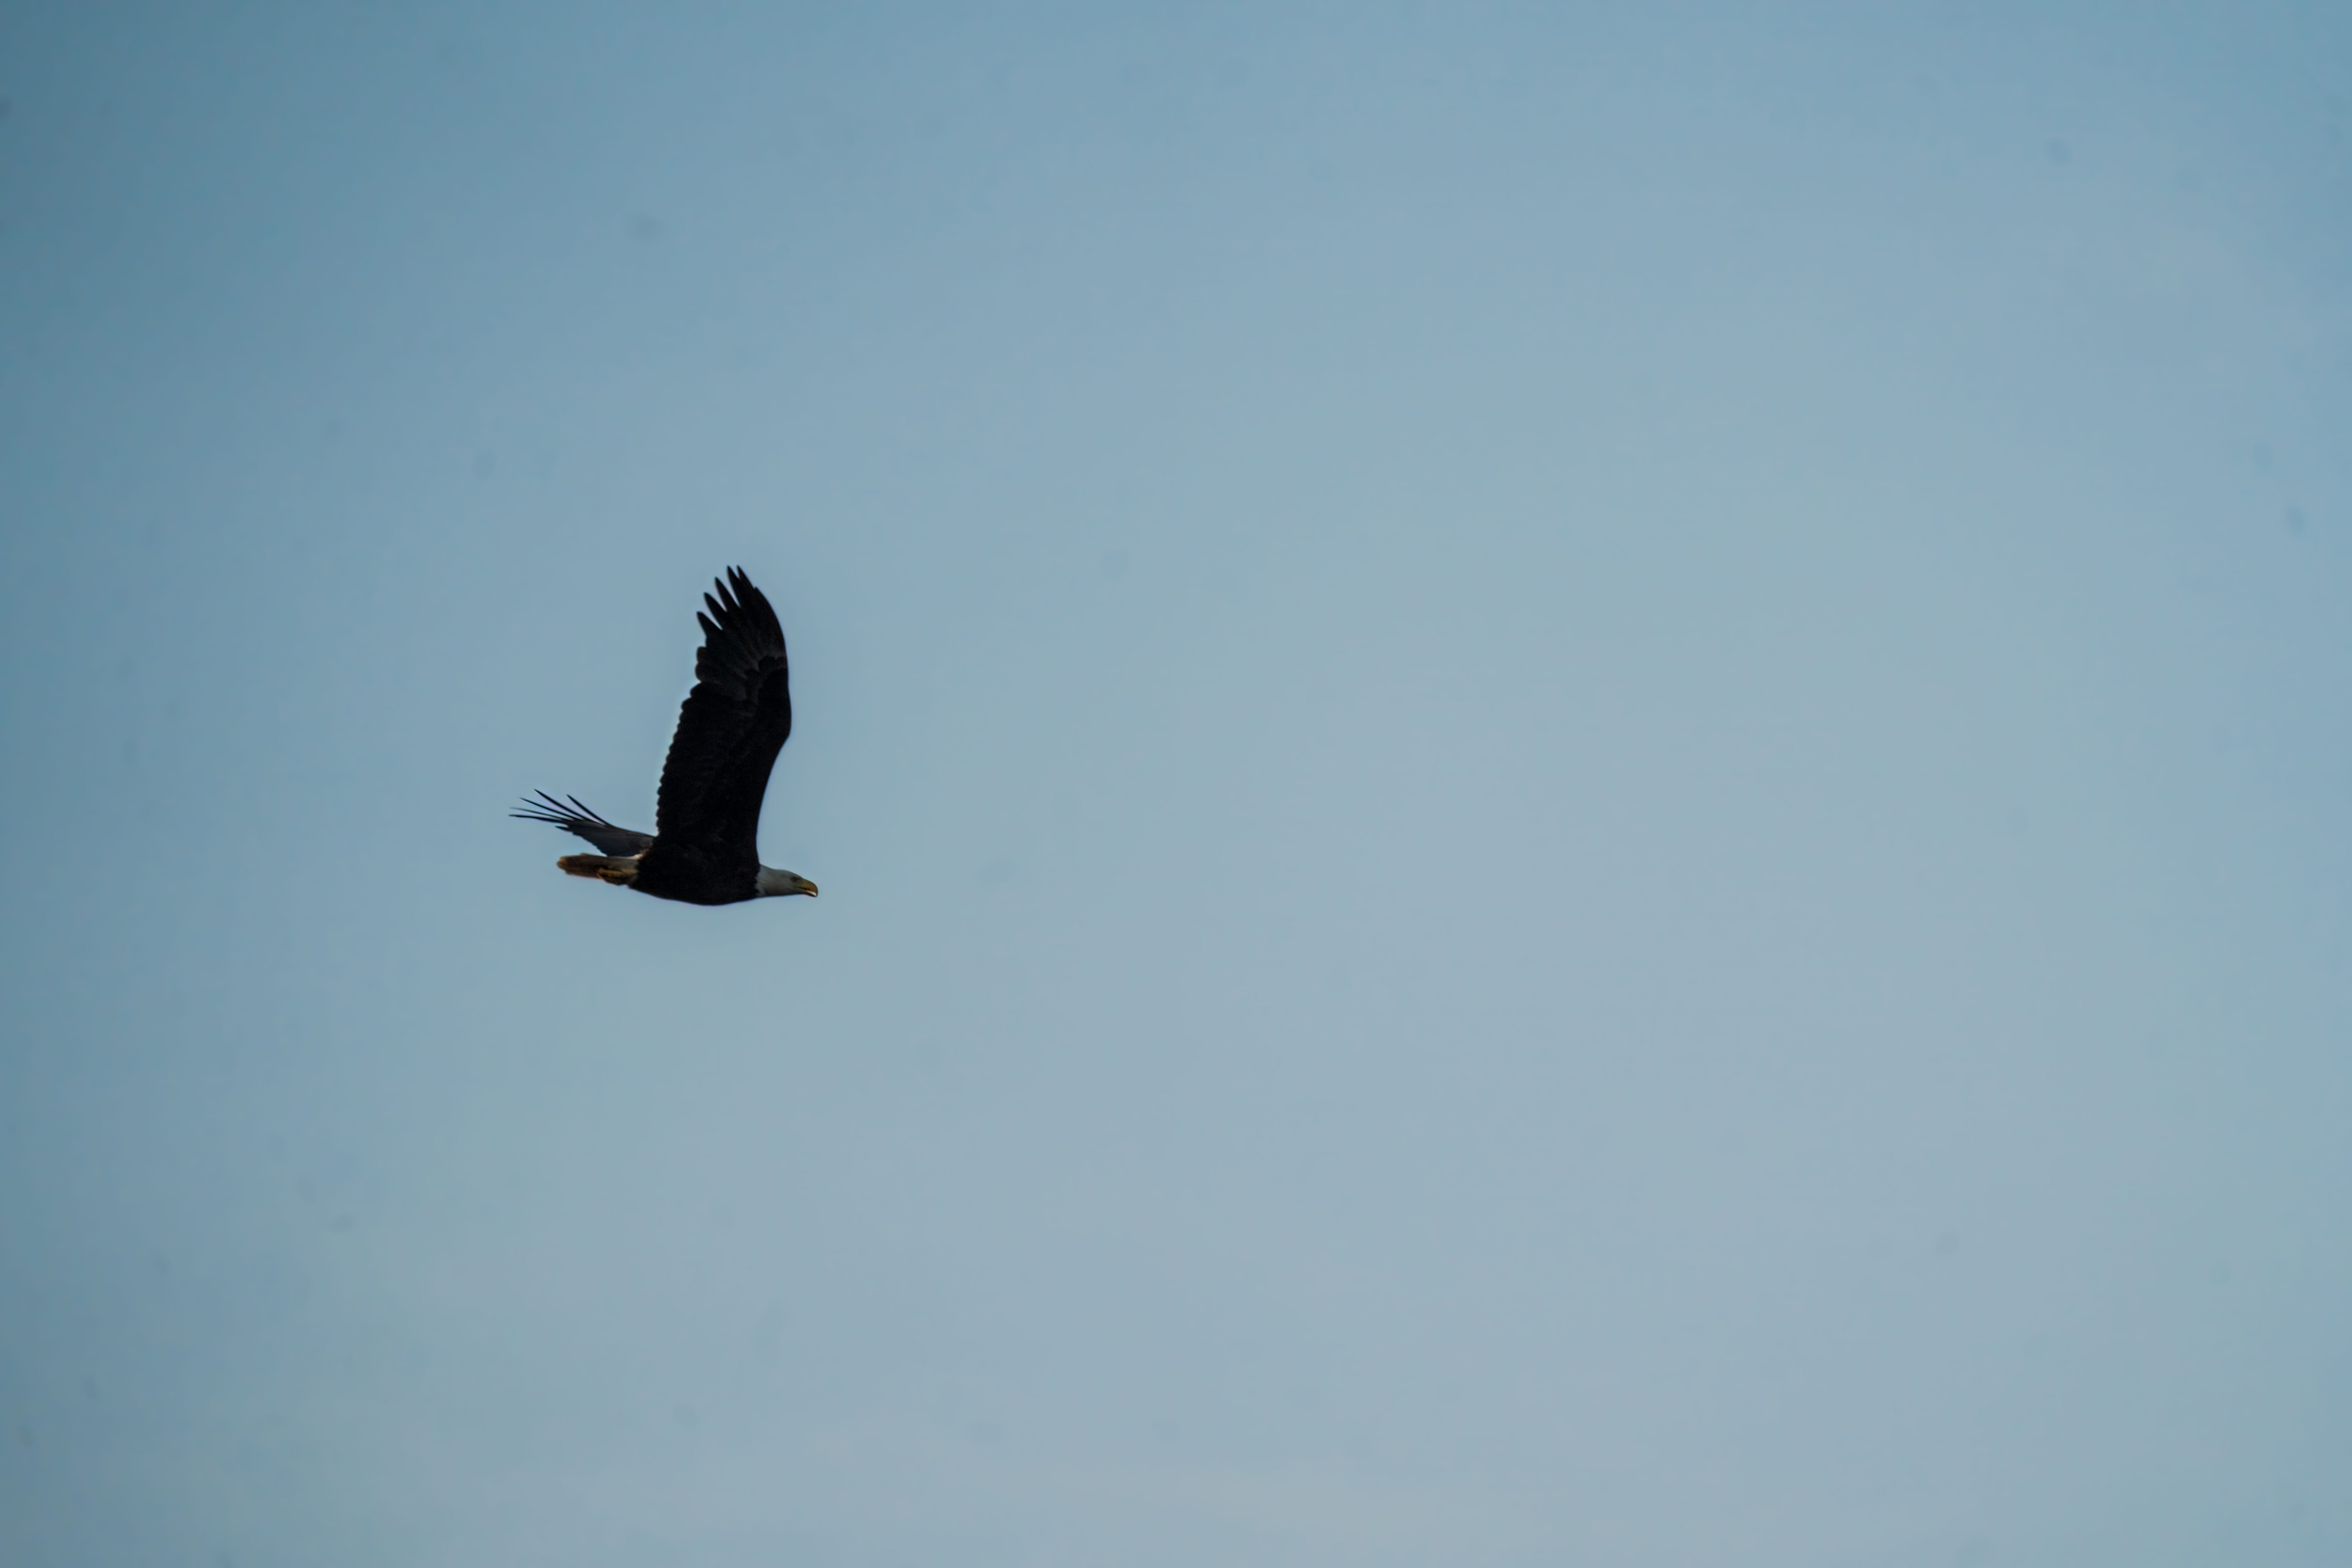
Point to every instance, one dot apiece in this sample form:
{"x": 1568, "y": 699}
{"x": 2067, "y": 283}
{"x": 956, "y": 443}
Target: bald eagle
{"x": 705, "y": 846}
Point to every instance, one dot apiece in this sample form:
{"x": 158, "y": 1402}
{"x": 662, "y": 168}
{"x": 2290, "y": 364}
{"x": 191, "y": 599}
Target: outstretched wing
{"x": 578, "y": 818}
{"x": 732, "y": 725}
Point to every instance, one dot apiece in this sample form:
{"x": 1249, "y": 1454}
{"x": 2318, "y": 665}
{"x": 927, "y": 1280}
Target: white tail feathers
{"x": 618, "y": 869}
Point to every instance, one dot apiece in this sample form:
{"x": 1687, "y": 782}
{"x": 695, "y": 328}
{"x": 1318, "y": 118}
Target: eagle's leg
{"x": 618, "y": 869}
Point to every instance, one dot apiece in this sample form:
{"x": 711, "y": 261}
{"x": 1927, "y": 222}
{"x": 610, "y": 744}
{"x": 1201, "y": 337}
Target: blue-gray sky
{"x": 1581, "y": 777}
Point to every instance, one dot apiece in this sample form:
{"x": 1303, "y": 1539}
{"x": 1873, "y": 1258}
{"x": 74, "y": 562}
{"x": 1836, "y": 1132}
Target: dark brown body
{"x": 692, "y": 874}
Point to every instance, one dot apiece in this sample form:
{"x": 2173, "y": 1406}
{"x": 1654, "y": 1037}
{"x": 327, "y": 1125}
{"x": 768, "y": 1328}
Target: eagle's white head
{"x": 774, "y": 884}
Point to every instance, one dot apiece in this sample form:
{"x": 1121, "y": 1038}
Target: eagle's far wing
{"x": 578, "y": 818}
{"x": 730, "y": 726}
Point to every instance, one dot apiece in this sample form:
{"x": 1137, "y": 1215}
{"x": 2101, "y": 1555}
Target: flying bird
{"x": 705, "y": 846}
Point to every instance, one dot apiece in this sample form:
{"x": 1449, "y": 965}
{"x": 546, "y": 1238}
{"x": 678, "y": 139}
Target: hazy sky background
{"x": 1581, "y": 777}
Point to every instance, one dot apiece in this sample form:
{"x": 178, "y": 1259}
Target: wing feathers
{"x": 578, "y": 818}
{"x": 731, "y": 724}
